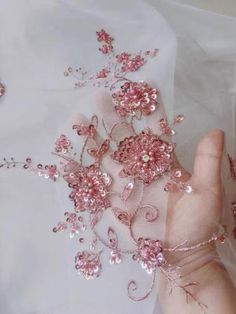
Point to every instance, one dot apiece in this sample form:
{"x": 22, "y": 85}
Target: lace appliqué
{"x": 144, "y": 156}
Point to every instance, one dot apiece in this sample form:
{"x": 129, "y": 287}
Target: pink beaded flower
{"x": 144, "y": 156}
{"x": 149, "y": 254}
{"x": 88, "y": 264}
{"x": 90, "y": 187}
{"x": 135, "y": 97}
{"x": 63, "y": 144}
{"x": 106, "y": 40}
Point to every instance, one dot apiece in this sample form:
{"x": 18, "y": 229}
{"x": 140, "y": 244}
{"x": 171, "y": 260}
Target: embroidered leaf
{"x": 122, "y": 216}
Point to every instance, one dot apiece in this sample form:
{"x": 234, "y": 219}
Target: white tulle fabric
{"x": 38, "y": 40}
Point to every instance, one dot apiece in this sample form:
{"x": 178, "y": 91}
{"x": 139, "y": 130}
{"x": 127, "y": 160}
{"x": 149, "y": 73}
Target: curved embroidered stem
{"x": 180, "y": 248}
{"x": 132, "y": 285}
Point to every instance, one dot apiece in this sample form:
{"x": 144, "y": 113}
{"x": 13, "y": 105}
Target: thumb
{"x": 207, "y": 165}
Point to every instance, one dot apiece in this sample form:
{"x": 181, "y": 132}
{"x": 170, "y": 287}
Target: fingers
{"x": 113, "y": 123}
{"x": 207, "y": 166}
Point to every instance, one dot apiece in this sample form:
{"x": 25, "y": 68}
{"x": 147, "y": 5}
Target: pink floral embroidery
{"x": 144, "y": 156}
{"x": 117, "y": 67}
{"x": 106, "y": 41}
{"x": 150, "y": 254}
{"x": 63, "y": 144}
{"x": 133, "y": 98}
{"x": 90, "y": 187}
{"x": 73, "y": 222}
{"x": 88, "y": 264}
{"x": 103, "y": 73}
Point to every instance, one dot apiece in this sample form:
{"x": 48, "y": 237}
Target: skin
{"x": 193, "y": 216}
{"x": 215, "y": 289}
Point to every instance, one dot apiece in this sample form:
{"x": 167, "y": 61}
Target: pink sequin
{"x": 106, "y": 40}
{"x": 149, "y": 254}
{"x": 63, "y": 144}
{"x": 135, "y": 97}
{"x": 144, "y": 156}
{"x": 88, "y": 264}
{"x": 90, "y": 187}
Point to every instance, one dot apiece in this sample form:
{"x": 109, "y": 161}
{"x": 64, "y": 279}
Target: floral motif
{"x": 90, "y": 188}
{"x": 88, "y": 264}
{"x": 150, "y": 254}
{"x": 63, "y": 144}
{"x": 135, "y": 97}
{"x": 144, "y": 156}
{"x": 73, "y": 222}
{"x": 117, "y": 67}
{"x": 106, "y": 40}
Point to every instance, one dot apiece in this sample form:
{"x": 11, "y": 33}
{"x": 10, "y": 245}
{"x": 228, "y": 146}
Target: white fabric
{"x": 38, "y": 40}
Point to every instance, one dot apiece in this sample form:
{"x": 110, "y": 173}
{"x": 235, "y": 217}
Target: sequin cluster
{"x": 135, "y": 98}
{"x": 144, "y": 156}
{"x": 150, "y": 254}
{"x": 116, "y": 68}
{"x": 90, "y": 187}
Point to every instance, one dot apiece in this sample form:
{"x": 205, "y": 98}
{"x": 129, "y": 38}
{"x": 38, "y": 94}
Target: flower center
{"x": 145, "y": 158}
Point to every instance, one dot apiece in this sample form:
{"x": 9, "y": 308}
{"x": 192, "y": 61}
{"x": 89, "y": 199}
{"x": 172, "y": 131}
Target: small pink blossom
{"x": 88, "y": 264}
{"x": 149, "y": 254}
{"x": 135, "y": 97}
{"x": 123, "y": 57}
{"x": 103, "y": 73}
{"x": 63, "y": 144}
{"x": 133, "y": 64}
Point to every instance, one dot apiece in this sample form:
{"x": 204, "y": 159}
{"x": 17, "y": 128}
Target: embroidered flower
{"x": 88, "y": 264}
{"x": 123, "y": 57}
{"x": 144, "y": 156}
{"x": 63, "y": 144}
{"x": 103, "y": 73}
{"x": 106, "y": 40}
{"x": 73, "y": 222}
{"x": 134, "y": 97}
{"x": 90, "y": 187}
{"x": 149, "y": 254}
{"x": 133, "y": 64}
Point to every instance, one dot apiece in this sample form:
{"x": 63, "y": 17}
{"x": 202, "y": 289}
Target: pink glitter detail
{"x": 175, "y": 184}
{"x": 134, "y": 97}
{"x": 117, "y": 66}
{"x": 88, "y": 264}
{"x": 149, "y": 254}
{"x": 2, "y": 89}
{"x": 82, "y": 129}
{"x": 72, "y": 223}
{"x": 89, "y": 188}
{"x": 63, "y": 145}
{"x": 106, "y": 40}
{"x": 145, "y": 156}
{"x": 103, "y": 73}
{"x": 133, "y": 64}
